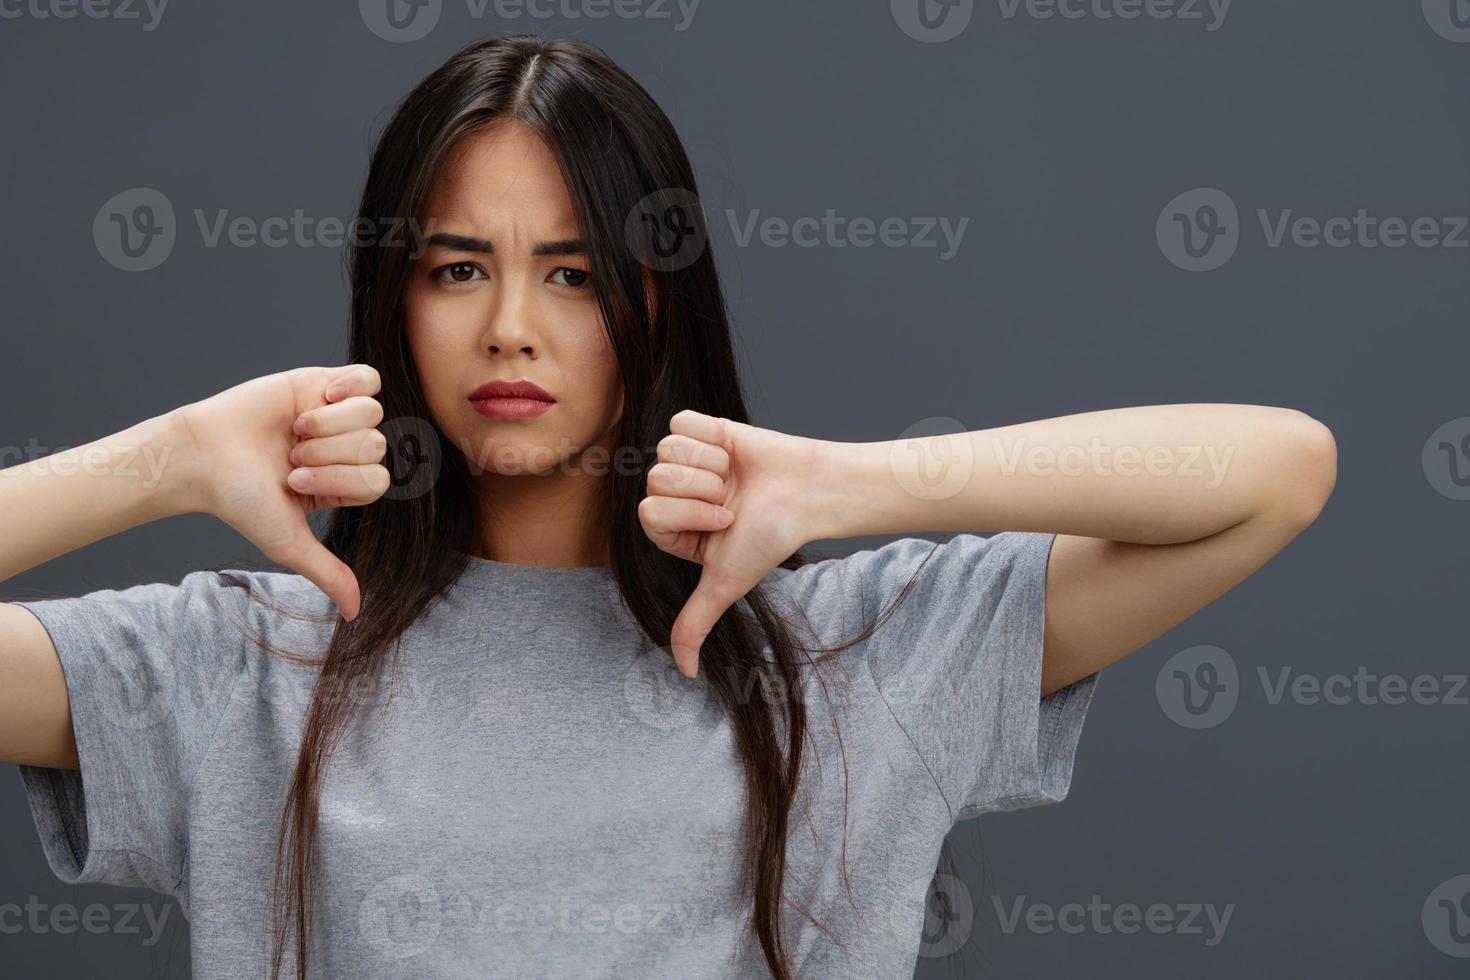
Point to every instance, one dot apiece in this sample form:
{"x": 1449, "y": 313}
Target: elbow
{"x": 1309, "y": 469}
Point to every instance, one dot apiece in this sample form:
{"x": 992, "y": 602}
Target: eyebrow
{"x": 467, "y": 243}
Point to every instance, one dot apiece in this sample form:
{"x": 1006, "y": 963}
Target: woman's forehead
{"x": 502, "y": 176}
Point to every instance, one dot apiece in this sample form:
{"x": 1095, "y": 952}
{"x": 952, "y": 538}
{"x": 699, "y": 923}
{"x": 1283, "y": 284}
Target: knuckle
{"x": 378, "y": 479}
{"x": 648, "y": 509}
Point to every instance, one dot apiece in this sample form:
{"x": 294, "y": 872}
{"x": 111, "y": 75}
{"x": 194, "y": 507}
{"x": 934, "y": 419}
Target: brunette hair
{"x": 668, "y": 326}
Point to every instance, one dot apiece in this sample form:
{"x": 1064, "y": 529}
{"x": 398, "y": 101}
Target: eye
{"x": 458, "y": 272}
{"x": 575, "y": 278}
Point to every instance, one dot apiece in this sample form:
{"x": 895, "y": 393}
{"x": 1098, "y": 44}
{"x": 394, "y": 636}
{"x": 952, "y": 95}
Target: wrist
{"x": 166, "y": 466}
{"x": 852, "y": 491}
{"x": 900, "y": 486}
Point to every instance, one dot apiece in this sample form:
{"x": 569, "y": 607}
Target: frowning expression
{"x": 503, "y": 292}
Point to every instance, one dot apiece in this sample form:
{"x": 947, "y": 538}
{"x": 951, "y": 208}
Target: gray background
{"x": 1326, "y": 826}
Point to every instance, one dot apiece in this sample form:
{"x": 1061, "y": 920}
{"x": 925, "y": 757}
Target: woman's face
{"x": 503, "y": 292}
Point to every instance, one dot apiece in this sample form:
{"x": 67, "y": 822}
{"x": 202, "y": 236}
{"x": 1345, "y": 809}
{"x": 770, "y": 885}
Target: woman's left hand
{"x": 733, "y": 498}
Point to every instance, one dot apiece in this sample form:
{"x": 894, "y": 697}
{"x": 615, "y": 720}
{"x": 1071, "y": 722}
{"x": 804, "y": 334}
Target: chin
{"x": 518, "y": 457}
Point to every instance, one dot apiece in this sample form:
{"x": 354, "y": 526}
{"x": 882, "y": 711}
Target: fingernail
{"x": 293, "y": 457}
{"x": 681, "y": 655}
{"x": 299, "y": 479}
{"x": 335, "y": 391}
{"x": 725, "y": 514}
{"x": 299, "y": 426}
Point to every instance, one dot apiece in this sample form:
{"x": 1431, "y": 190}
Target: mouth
{"x": 511, "y": 399}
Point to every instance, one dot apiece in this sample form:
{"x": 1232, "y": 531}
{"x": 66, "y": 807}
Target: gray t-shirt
{"x": 544, "y": 795}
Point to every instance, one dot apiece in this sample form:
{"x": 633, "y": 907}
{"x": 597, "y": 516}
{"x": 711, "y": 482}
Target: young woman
{"x": 451, "y": 740}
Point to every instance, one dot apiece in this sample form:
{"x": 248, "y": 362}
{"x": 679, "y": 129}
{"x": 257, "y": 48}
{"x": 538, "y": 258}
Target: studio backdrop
{"x": 928, "y": 217}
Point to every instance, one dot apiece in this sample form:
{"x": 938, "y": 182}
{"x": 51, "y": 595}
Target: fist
{"x": 731, "y": 497}
{"x": 268, "y": 452}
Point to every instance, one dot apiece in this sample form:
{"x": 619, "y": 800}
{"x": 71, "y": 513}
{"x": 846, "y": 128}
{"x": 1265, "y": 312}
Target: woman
{"x": 481, "y": 762}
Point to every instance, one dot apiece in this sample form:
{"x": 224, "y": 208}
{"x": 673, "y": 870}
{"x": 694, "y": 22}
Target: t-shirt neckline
{"x": 488, "y": 573}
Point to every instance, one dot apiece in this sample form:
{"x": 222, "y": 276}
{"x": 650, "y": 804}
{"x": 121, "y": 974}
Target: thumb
{"x": 304, "y": 553}
{"x": 712, "y": 596}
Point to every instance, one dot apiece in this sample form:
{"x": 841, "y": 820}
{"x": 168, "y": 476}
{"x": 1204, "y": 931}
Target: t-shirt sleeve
{"x": 958, "y": 663}
{"x": 148, "y": 670}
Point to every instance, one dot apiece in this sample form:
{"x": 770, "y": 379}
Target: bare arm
{"x": 1158, "y": 510}
{"x": 228, "y": 455}
{"x": 49, "y": 507}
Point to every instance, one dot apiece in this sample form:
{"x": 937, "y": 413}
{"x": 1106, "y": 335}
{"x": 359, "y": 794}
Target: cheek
{"x": 428, "y": 338}
{"x": 597, "y": 367}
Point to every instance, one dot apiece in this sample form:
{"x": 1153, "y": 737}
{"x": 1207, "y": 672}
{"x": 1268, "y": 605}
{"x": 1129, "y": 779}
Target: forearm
{"x": 1150, "y": 475}
{"x": 61, "y": 502}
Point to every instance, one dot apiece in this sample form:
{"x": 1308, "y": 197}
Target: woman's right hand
{"x": 265, "y": 453}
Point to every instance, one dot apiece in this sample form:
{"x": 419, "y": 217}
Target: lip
{"x": 521, "y": 399}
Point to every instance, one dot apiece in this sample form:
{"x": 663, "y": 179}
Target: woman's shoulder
{"x": 869, "y": 573}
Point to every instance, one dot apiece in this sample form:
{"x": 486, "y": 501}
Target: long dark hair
{"x": 669, "y": 330}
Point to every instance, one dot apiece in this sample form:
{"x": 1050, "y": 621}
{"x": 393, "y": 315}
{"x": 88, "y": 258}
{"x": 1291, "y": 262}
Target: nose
{"x": 513, "y": 322}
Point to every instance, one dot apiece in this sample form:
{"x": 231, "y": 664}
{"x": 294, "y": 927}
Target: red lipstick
{"x": 521, "y": 399}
